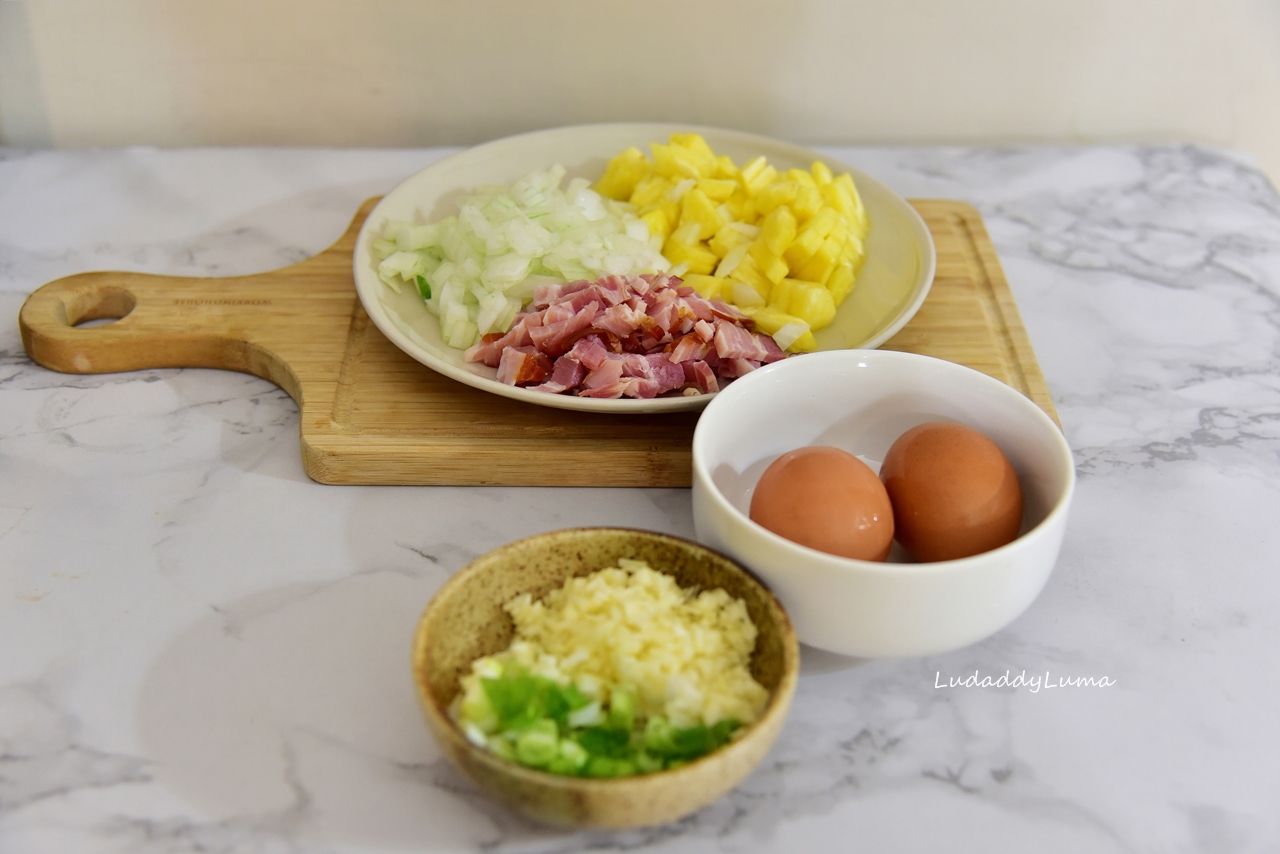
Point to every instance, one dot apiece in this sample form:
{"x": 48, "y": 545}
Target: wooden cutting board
{"x": 372, "y": 415}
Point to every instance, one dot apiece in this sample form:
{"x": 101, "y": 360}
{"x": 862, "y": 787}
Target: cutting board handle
{"x": 259, "y": 323}
{"x": 159, "y": 322}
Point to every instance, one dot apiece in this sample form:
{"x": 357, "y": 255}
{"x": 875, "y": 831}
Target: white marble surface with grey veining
{"x": 201, "y": 650}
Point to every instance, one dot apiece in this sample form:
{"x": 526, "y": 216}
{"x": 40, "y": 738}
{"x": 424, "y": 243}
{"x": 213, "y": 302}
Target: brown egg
{"x": 826, "y": 499}
{"x": 953, "y": 490}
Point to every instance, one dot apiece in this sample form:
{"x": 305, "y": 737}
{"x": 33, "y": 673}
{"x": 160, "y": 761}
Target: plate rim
{"x": 367, "y": 282}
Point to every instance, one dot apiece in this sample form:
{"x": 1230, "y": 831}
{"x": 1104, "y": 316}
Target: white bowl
{"x": 891, "y": 286}
{"x": 861, "y": 401}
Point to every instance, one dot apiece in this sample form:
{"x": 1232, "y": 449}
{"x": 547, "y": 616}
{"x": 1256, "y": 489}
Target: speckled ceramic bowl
{"x": 465, "y": 621}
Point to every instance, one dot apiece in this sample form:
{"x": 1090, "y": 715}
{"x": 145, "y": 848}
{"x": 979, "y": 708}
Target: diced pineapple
{"x": 853, "y": 253}
{"x": 821, "y": 173}
{"x": 622, "y": 174}
{"x": 800, "y": 176}
{"x": 678, "y": 162}
{"x": 811, "y": 302}
{"x": 777, "y": 193}
{"x": 749, "y": 272}
{"x": 773, "y": 267}
{"x": 838, "y": 197}
{"x": 840, "y": 283}
{"x": 859, "y": 214}
{"x": 710, "y": 287}
{"x": 696, "y": 145}
{"x": 659, "y": 225}
{"x": 726, "y": 168}
{"x": 756, "y": 175}
{"x": 743, "y": 295}
{"x": 696, "y": 207}
{"x": 808, "y": 201}
{"x": 819, "y": 267}
{"x": 650, "y": 191}
{"x": 802, "y": 247}
{"x": 777, "y": 230}
{"x": 742, "y": 208}
{"x": 791, "y": 333}
{"x": 718, "y": 189}
{"x": 697, "y": 256}
{"x": 823, "y": 222}
{"x": 727, "y": 238}
{"x": 780, "y": 295}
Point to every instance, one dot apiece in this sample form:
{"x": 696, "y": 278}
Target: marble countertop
{"x": 203, "y": 650}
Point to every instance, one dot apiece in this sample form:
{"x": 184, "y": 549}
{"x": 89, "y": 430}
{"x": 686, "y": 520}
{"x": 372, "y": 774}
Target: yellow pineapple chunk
{"x": 726, "y": 168}
{"x": 677, "y": 162}
{"x": 777, "y": 230}
{"x": 695, "y": 145}
{"x": 622, "y": 175}
{"x": 803, "y": 246}
{"x": 811, "y": 302}
{"x": 840, "y": 283}
{"x": 728, "y": 237}
{"x": 651, "y": 191}
{"x": 800, "y": 176}
{"x": 821, "y": 173}
{"x": 697, "y": 256}
{"x": 808, "y": 201}
{"x": 780, "y": 295}
{"x": 777, "y": 323}
{"x": 859, "y": 213}
{"x": 696, "y": 207}
{"x": 718, "y": 189}
{"x": 741, "y": 207}
{"x": 756, "y": 175}
{"x": 749, "y": 273}
{"x": 777, "y": 193}
{"x": 659, "y": 225}
{"x": 710, "y": 287}
{"x": 819, "y": 267}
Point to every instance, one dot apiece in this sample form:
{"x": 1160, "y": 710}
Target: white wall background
{"x": 77, "y": 73}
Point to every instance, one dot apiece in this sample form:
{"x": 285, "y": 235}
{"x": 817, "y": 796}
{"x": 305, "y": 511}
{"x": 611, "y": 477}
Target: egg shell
{"x": 827, "y": 499}
{"x": 954, "y": 492}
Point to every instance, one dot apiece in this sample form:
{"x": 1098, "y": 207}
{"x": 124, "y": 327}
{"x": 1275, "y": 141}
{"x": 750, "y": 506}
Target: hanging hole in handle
{"x": 99, "y": 307}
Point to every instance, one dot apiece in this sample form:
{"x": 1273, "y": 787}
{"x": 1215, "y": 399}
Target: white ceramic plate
{"x": 890, "y": 288}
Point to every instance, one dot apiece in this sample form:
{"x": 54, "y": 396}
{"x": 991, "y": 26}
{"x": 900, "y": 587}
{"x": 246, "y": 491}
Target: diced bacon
{"x": 734, "y": 368}
{"x": 606, "y": 373}
{"x": 687, "y": 349}
{"x": 565, "y": 374}
{"x": 614, "y": 389}
{"x": 613, "y": 290}
{"x": 734, "y": 342}
{"x": 619, "y": 319}
{"x": 727, "y": 312}
{"x": 523, "y": 365}
{"x": 701, "y": 376}
{"x": 545, "y": 295}
{"x": 590, "y": 351}
{"x": 489, "y": 350}
{"x": 644, "y": 389}
{"x": 773, "y": 352}
{"x": 636, "y": 365}
{"x": 665, "y": 373}
{"x": 704, "y": 330}
{"x": 554, "y": 339}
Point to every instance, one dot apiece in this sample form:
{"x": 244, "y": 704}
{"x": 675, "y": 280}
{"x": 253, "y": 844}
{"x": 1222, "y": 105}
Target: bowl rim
{"x": 777, "y": 706}
{"x": 845, "y": 564}
{"x": 366, "y": 284}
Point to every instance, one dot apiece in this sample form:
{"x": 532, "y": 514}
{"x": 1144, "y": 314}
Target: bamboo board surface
{"x": 370, "y": 414}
